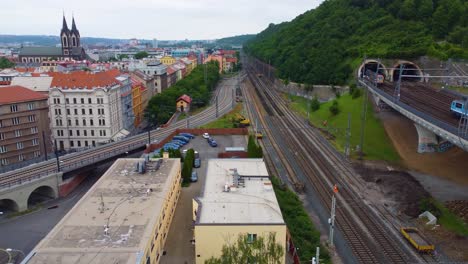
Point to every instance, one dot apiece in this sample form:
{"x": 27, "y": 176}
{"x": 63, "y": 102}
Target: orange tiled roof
{"x": 16, "y": 94}
{"x": 84, "y": 79}
{"x": 231, "y": 60}
{"x": 23, "y": 70}
{"x": 170, "y": 70}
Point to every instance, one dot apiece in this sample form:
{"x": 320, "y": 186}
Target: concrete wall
{"x": 209, "y": 239}
{"x": 21, "y": 193}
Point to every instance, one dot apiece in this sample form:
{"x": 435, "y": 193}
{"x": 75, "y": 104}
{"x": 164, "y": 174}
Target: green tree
{"x": 188, "y": 165}
{"x": 5, "y": 63}
{"x": 253, "y": 150}
{"x": 141, "y": 55}
{"x": 260, "y": 250}
{"x": 314, "y": 104}
{"x": 334, "y": 109}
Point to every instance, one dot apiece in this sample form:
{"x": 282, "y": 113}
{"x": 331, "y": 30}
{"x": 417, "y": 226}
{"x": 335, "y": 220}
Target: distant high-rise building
{"x": 155, "y": 43}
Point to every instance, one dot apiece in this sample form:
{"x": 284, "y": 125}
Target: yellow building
{"x": 137, "y": 99}
{"x": 124, "y": 218}
{"x": 238, "y": 199}
{"x": 183, "y": 103}
{"x": 167, "y": 60}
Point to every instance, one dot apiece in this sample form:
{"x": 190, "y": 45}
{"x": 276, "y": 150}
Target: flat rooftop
{"x": 128, "y": 202}
{"x": 252, "y": 202}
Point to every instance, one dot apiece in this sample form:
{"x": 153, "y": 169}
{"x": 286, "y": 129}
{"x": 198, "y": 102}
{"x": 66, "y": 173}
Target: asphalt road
{"x": 178, "y": 247}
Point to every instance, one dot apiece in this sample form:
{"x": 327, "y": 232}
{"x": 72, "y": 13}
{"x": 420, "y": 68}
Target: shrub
{"x": 314, "y": 104}
{"x": 334, "y": 109}
{"x": 356, "y": 93}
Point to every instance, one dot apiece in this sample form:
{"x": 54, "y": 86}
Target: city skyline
{"x": 146, "y": 19}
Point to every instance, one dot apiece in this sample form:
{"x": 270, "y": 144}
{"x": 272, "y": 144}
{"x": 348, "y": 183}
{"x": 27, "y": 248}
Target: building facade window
{"x": 100, "y": 100}
{"x": 74, "y": 100}
{"x": 91, "y": 122}
{"x": 76, "y": 111}
{"x": 77, "y": 133}
{"x": 1, "y": 123}
{"x": 3, "y": 149}
{"x": 83, "y": 111}
{"x": 37, "y": 153}
{"x": 15, "y": 120}
{"x": 68, "y": 111}
{"x": 35, "y": 142}
{"x": 70, "y": 132}
{"x": 20, "y": 157}
{"x": 31, "y": 106}
{"x": 85, "y": 133}
{"x": 67, "y": 101}
{"x": 32, "y": 118}
{"x": 19, "y": 145}
{"x": 92, "y": 133}
{"x": 34, "y": 130}
{"x": 2, "y": 136}
{"x": 14, "y": 108}
{"x": 90, "y": 111}
{"x": 82, "y": 100}
{"x": 72, "y": 144}
{"x": 4, "y": 162}
{"x": 251, "y": 238}
{"x": 17, "y": 133}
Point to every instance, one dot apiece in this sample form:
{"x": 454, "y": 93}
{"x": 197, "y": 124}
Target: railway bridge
{"x": 42, "y": 180}
{"x": 406, "y": 88}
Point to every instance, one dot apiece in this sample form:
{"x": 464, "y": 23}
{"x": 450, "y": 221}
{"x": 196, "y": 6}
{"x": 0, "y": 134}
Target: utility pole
{"x": 331, "y": 220}
{"x": 363, "y": 122}
{"x": 348, "y": 137}
{"x": 56, "y": 155}
{"x": 149, "y": 137}
{"x": 317, "y": 255}
{"x": 44, "y": 144}
{"x": 398, "y": 85}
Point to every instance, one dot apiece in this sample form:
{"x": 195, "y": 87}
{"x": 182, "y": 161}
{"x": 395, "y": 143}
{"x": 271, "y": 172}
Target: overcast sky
{"x": 161, "y": 19}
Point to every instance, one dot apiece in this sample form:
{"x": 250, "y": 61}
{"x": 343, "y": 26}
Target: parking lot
{"x": 179, "y": 248}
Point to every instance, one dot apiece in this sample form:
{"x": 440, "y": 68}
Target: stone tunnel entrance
{"x": 408, "y": 69}
{"x": 8, "y": 205}
{"x": 40, "y": 195}
{"x": 372, "y": 65}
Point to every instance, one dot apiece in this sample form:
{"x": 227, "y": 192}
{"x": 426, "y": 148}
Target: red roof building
{"x": 18, "y": 94}
{"x": 183, "y": 103}
{"x": 84, "y": 79}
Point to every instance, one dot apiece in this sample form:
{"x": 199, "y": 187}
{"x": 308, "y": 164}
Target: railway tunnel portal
{"x": 410, "y": 72}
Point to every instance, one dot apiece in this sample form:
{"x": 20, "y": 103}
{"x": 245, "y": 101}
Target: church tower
{"x": 65, "y": 38}
{"x": 74, "y": 35}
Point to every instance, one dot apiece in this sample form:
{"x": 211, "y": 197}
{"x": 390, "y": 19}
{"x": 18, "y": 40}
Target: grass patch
{"x": 25, "y": 212}
{"x": 303, "y": 232}
{"x": 377, "y": 145}
{"x": 462, "y": 90}
{"x": 445, "y": 217}
{"x": 226, "y": 121}
{"x": 185, "y": 184}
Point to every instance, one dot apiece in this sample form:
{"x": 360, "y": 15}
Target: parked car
{"x": 196, "y": 163}
{"x": 185, "y": 139}
{"x": 188, "y": 135}
{"x": 180, "y": 142}
{"x": 213, "y": 143}
{"x": 194, "y": 176}
{"x": 206, "y": 135}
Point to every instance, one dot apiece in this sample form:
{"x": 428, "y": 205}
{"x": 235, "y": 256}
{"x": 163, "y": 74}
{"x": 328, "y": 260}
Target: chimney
{"x": 165, "y": 155}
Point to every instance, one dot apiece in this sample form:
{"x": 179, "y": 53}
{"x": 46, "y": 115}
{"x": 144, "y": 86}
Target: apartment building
{"x": 24, "y": 125}
{"x": 238, "y": 199}
{"x": 123, "y": 218}
{"x": 86, "y": 108}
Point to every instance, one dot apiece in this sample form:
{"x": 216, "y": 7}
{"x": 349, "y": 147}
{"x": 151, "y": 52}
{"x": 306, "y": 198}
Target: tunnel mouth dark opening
{"x": 408, "y": 70}
{"x": 8, "y": 206}
{"x": 41, "y": 195}
{"x": 373, "y": 66}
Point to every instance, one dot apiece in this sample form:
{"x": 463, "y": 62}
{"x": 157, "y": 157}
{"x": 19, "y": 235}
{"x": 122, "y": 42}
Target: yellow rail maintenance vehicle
{"x": 243, "y": 122}
{"x": 417, "y": 240}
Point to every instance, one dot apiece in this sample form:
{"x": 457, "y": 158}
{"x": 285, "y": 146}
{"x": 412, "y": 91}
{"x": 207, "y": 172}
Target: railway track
{"x": 368, "y": 237}
{"x": 423, "y": 98}
{"x": 79, "y": 159}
